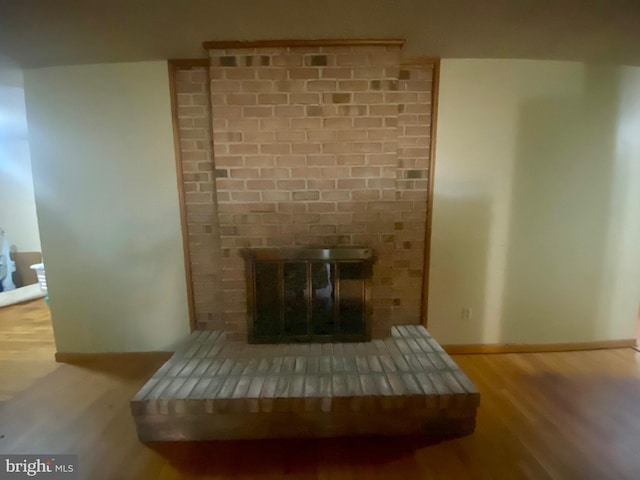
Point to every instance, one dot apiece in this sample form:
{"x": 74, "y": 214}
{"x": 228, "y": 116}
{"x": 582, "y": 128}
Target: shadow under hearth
{"x": 303, "y": 456}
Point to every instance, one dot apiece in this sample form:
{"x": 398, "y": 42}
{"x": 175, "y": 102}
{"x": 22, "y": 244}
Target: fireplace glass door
{"x": 308, "y": 295}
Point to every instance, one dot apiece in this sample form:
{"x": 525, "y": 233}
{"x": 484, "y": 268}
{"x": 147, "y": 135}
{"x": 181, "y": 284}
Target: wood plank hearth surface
{"x": 215, "y": 389}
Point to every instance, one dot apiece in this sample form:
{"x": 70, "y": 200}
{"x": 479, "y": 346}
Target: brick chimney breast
{"x": 312, "y": 146}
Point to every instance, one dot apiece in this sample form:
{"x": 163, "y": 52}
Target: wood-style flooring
{"x": 573, "y": 415}
{"x": 26, "y": 346}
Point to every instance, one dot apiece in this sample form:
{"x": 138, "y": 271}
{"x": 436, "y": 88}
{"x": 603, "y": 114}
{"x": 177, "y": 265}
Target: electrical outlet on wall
{"x": 466, "y": 313}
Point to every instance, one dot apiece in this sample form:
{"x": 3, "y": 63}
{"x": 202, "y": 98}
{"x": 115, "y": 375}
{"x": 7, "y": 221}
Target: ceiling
{"x": 38, "y": 33}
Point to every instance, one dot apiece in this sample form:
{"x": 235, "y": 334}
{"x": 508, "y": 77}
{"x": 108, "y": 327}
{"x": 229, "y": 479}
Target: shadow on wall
{"x": 461, "y": 263}
{"x": 109, "y": 299}
{"x": 561, "y": 201}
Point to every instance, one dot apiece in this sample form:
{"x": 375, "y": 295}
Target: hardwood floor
{"x": 573, "y": 415}
{"x": 26, "y": 346}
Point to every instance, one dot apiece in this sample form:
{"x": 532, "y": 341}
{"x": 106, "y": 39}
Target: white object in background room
{"x": 7, "y": 266}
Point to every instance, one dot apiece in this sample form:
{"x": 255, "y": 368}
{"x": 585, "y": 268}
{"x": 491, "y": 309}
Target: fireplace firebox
{"x": 308, "y": 294}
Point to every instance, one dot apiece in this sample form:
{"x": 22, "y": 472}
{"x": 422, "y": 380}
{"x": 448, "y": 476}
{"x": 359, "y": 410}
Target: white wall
{"x": 106, "y": 191}
{"x": 17, "y": 202}
{"x": 536, "y": 222}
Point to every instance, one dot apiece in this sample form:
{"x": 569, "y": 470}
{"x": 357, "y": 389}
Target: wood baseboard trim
{"x": 71, "y": 357}
{"x": 328, "y": 42}
{"x": 538, "y": 348}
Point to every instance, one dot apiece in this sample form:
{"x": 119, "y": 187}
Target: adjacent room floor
{"x": 26, "y": 346}
{"x": 550, "y": 415}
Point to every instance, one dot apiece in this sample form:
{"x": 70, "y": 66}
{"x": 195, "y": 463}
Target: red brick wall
{"x": 196, "y": 155}
{"x": 322, "y": 146}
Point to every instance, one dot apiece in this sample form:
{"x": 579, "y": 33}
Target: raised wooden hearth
{"x": 213, "y": 389}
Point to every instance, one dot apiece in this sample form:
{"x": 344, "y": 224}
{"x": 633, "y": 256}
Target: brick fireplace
{"x": 306, "y": 144}
{"x": 304, "y": 178}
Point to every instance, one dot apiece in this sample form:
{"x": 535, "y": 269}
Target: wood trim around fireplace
{"x": 189, "y": 62}
{"x": 328, "y": 42}
{"x": 173, "y": 65}
{"x": 435, "y": 91}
